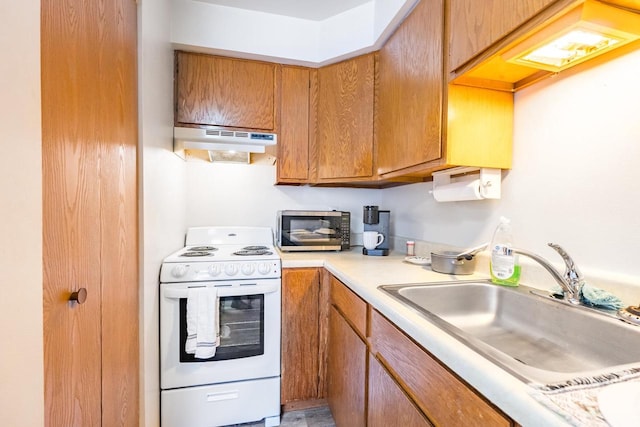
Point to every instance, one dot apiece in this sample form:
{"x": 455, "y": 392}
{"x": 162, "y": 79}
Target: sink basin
{"x": 534, "y": 337}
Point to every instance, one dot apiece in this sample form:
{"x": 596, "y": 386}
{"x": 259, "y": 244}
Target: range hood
{"x": 221, "y": 140}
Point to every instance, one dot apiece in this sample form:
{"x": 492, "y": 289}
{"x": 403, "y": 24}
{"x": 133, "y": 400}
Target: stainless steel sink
{"x": 532, "y": 336}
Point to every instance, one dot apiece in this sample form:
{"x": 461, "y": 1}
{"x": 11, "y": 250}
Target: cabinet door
{"x": 410, "y": 88}
{"x": 218, "y": 91}
{"x": 388, "y": 404}
{"x": 345, "y": 119}
{"x": 346, "y": 373}
{"x": 475, "y": 25}
{"x": 90, "y": 215}
{"x": 440, "y": 394}
{"x": 293, "y": 138}
{"x": 300, "y": 333}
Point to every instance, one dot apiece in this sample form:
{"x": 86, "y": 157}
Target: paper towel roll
{"x": 458, "y": 191}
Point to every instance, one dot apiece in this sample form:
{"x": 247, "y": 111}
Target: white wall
{"x": 237, "y": 194}
{"x": 257, "y": 35}
{"x": 575, "y": 178}
{"x": 21, "y": 361}
{"x": 163, "y": 187}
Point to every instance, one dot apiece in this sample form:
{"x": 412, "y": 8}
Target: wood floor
{"x": 314, "y": 417}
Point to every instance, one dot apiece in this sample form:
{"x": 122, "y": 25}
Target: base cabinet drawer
{"x": 441, "y": 395}
{"x": 351, "y": 306}
{"x": 388, "y": 404}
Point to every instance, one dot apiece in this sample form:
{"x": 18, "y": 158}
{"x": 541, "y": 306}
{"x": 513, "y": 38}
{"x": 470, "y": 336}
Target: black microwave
{"x": 313, "y": 230}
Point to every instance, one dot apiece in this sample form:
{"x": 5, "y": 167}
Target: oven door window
{"x": 241, "y": 328}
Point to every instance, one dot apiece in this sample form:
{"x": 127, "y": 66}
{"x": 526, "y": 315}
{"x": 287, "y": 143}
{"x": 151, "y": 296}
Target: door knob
{"x": 79, "y": 296}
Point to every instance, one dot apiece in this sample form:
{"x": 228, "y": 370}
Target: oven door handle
{"x": 226, "y": 291}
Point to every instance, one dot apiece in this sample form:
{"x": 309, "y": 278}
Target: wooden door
{"x": 89, "y": 131}
{"x": 345, "y": 119}
{"x": 293, "y": 137}
{"x": 388, "y": 403}
{"x": 475, "y": 25}
{"x": 410, "y": 91}
{"x": 346, "y": 373}
{"x": 212, "y": 90}
{"x": 440, "y": 394}
{"x": 300, "y": 334}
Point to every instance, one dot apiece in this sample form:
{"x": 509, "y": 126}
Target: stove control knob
{"x": 179, "y": 271}
{"x": 231, "y": 269}
{"x": 264, "y": 268}
{"x": 248, "y": 269}
{"x": 214, "y": 270}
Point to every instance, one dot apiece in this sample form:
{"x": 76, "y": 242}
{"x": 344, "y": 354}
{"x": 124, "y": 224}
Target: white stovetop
{"x": 220, "y": 253}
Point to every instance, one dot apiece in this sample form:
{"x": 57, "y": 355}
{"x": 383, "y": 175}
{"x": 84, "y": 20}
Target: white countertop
{"x": 363, "y": 274}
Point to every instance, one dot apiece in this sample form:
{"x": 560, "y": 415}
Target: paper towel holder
{"x": 489, "y": 179}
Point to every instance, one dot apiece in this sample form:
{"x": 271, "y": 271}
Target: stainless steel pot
{"x": 447, "y": 262}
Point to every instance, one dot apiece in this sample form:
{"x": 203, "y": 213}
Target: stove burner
{"x": 202, "y": 248}
{"x": 255, "y": 248}
{"x": 246, "y": 252}
{"x": 196, "y": 253}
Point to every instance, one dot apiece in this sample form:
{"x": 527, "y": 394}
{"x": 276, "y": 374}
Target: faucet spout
{"x": 571, "y": 281}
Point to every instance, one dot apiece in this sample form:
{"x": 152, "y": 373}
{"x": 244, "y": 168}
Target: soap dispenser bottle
{"x": 504, "y": 266}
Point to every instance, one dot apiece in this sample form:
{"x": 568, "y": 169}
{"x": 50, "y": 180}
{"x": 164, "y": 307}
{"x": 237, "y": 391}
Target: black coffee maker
{"x": 377, "y": 220}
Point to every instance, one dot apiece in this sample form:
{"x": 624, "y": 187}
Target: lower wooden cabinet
{"x": 441, "y": 395}
{"x": 346, "y": 372}
{"x": 300, "y": 364}
{"x": 375, "y": 375}
{"x": 388, "y": 405}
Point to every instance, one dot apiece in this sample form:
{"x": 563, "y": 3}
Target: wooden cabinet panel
{"x": 219, "y": 91}
{"x": 346, "y": 373}
{"x": 90, "y": 217}
{"x": 475, "y": 25}
{"x": 442, "y": 396}
{"x": 300, "y": 334}
{"x": 352, "y": 307}
{"x": 482, "y": 140}
{"x": 410, "y": 90}
{"x": 388, "y": 405}
{"x": 345, "y": 119}
{"x": 293, "y": 137}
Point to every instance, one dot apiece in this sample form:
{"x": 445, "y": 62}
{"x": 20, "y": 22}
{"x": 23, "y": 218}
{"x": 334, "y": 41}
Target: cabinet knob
{"x": 79, "y": 296}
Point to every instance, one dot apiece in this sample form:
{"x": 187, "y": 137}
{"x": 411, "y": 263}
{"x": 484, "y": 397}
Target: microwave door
{"x": 311, "y": 231}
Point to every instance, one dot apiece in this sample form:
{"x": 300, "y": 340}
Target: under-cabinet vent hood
{"x": 221, "y": 140}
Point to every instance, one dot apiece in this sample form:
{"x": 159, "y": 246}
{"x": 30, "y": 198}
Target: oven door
{"x": 249, "y": 317}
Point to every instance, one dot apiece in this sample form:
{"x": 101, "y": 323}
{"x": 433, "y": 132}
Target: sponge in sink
{"x": 600, "y": 298}
{"x": 596, "y": 297}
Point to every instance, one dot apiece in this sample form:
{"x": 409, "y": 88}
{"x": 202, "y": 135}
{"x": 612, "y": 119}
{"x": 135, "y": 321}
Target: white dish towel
{"x": 202, "y": 322}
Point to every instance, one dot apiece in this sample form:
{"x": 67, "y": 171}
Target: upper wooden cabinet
{"x": 345, "y": 119}
{"x": 485, "y": 36}
{"x": 423, "y": 125}
{"x": 294, "y": 164}
{"x": 475, "y": 25}
{"x": 219, "y": 91}
{"x": 409, "y": 91}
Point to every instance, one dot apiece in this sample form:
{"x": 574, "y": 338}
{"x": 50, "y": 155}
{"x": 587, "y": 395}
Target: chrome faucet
{"x": 571, "y": 281}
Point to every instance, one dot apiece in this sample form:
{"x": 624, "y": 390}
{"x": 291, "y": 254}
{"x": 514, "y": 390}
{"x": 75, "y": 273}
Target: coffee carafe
{"x": 377, "y": 221}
